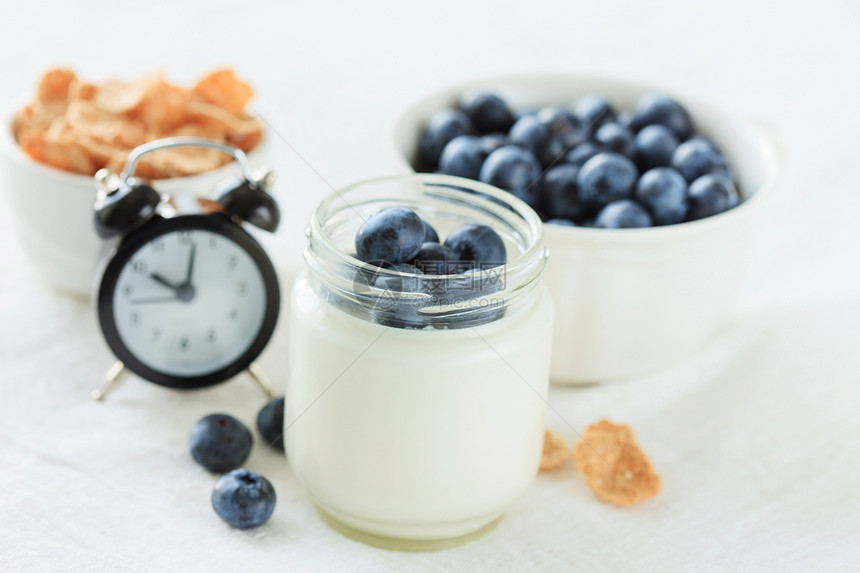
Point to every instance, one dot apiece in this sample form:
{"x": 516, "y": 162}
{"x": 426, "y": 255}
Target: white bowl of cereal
{"x": 627, "y": 300}
{"x": 53, "y": 146}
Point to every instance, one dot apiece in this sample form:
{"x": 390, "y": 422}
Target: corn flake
{"x": 223, "y": 89}
{"x": 555, "y": 451}
{"x": 614, "y": 466}
{"x": 81, "y": 127}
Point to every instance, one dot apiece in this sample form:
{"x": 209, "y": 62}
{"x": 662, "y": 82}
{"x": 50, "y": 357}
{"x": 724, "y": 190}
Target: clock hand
{"x": 160, "y": 279}
{"x": 190, "y": 263}
{"x": 154, "y": 299}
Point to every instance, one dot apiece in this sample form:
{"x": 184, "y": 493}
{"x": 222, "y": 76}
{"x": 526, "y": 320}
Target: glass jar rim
{"x": 323, "y": 256}
{"x": 518, "y": 205}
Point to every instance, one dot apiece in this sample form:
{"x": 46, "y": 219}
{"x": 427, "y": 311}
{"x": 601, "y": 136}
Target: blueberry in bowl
{"x": 514, "y": 169}
{"x": 623, "y": 214}
{"x": 615, "y": 137}
{"x": 488, "y": 112}
{"x": 606, "y": 177}
{"x": 654, "y": 146}
{"x": 559, "y": 195}
{"x": 444, "y": 127}
{"x": 663, "y": 192}
{"x": 709, "y": 195}
{"x": 464, "y": 155}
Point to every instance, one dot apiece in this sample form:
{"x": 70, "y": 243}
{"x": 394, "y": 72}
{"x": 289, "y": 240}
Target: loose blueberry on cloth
{"x": 270, "y": 423}
{"x": 243, "y": 499}
{"x": 220, "y": 442}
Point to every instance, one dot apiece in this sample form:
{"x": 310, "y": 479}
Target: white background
{"x": 757, "y": 436}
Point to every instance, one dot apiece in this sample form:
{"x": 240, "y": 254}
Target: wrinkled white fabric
{"x": 756, "y": 436}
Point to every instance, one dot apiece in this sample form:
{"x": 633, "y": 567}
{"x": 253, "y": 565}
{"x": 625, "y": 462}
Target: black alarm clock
{"x": 187, "y": 298}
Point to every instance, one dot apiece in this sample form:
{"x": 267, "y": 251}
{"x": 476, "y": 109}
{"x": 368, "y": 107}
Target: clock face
{"x": 189, "y": 302}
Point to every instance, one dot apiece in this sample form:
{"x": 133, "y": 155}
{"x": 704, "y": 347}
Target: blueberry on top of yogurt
{"x": 403, "y": 277}
{"x": 430, "y": 234}
{"x": 478, "y": 244}
{"x": 466, "y": 266}
{"x": 436, "y": 259}
{"x": 394, "y": 235}
{"x": 398, "y": 240}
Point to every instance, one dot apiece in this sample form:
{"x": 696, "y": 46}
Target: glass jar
{"x": 417, "y": 412}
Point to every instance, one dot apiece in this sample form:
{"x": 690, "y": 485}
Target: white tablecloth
{"x": 757, "y": 436}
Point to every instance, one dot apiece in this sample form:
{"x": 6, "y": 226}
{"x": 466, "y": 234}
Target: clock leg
{"x": 113, "y": 377}
{"x": 257, "y": 375}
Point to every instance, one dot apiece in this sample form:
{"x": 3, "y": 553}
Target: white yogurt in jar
{"x": 410, "y": 433}
{"x": 415, "y": 434}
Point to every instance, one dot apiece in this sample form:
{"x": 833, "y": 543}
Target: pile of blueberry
{"x": 403, "y": 253}
{"x": 586, "y": 165}
{"x": 221, "y": 444}
{"x": 398, "y": 239}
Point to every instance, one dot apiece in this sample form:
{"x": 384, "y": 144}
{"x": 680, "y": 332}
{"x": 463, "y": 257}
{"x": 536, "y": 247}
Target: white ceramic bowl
{"x": 631, "y": 300}
{"x": 52, "y": 211}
